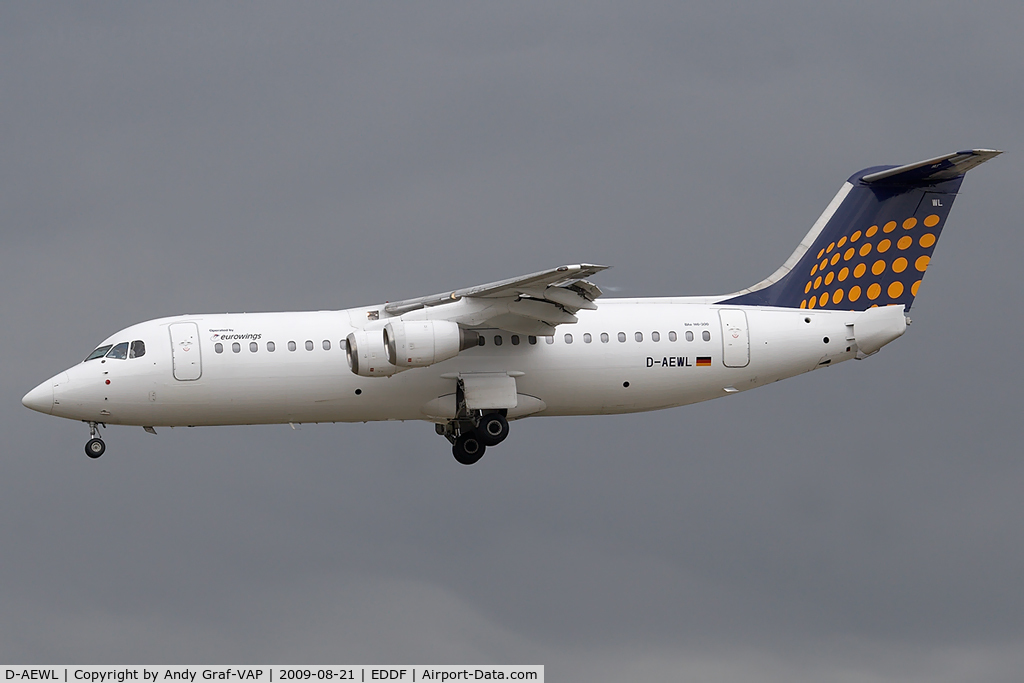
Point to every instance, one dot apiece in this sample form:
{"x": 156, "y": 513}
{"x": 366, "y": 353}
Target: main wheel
{"x": 468, "y": 448}
{"x": 94, "y": 448}
{"x": 493, "y": 429}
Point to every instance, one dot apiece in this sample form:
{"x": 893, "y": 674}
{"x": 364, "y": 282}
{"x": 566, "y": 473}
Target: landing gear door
{"x": 489, "y": 390}
{"x": 735, "y": 338}
{"x": 185, "y": 357}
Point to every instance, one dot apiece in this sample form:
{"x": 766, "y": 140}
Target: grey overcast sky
{"x": 862, "y": 523}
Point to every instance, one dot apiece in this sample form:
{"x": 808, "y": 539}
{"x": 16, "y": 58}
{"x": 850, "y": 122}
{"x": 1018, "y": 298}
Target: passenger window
{"x": 515, "y": 340}
{"x": 587, "y": 338}
{"x": 705, "y": 335}
{"x": 119, "y": 352}
{"x": 481, "y": 340}
{"x": 291, "y": 346}
{"x": 309, "y": 344}
{"x": 689, "y": 335}
{"x": 532, "y": 339}
{"x": 672, "y": 336}
{"x": 254, "y": 347}
{"x": 236, "y": 347}
{"x": 604, "y": 337}
{"x": 655, "y": 336}
{"x": 327, "y": 345}
{"x": 549, "y": 340}
{"x": 568, "y": 339}
{"x": 639, "y": 336}
{"x": 218, "y": 347}
{"x": 497, "y": 340}
{"x": 138, "y": 349}
{"x": 622, "y": 336}
{"x": 99, "y": 353}
{"x": 271, "y": 346}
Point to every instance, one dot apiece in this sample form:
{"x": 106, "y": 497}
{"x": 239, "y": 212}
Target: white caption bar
{"x": 269, "y": 674}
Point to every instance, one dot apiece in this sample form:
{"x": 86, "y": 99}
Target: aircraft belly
{"x": 298, "y": 398}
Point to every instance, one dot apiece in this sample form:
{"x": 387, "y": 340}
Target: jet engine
{"x": 367, "y": 356}
{"x": 419, "y": 343}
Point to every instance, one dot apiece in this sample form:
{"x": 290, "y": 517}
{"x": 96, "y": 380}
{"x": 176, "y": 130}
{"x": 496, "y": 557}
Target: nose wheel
{"x": 94, "y": 447}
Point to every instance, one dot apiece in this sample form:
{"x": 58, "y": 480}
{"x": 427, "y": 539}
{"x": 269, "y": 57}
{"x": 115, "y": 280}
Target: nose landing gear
{"x": 95, "y": 447}
{"x": 471, "y": 436}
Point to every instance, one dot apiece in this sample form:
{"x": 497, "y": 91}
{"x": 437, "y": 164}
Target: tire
{"x": 468, "y": 448}
{"x": 493, "y": 429}
{"x": 94, "y": 448}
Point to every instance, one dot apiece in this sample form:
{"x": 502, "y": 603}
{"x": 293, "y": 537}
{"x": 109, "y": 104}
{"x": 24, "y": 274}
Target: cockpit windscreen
{"x": 120, "y": 351}
{"x": 100, "y": 352}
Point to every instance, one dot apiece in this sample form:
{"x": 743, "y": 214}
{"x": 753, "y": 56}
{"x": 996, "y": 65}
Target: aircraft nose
{"x": 40, "y": 398}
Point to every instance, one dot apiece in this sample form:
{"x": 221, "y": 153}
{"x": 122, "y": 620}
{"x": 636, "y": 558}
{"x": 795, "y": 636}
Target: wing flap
{"x": 568, "y": 297}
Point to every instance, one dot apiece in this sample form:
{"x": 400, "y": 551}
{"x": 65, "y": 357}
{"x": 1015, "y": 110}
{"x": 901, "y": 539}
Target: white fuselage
{"x": 313, "y": 382}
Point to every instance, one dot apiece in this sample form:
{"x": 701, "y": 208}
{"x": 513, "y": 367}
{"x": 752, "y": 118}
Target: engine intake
{"x": 367, "y": 355}
{"x": 417, "y": 344}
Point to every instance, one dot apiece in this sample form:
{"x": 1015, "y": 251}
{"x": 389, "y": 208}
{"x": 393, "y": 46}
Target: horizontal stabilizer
{"x": 930, "y": 171}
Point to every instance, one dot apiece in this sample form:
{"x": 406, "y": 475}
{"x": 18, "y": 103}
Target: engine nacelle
{"x": 367, "y": 356}
{"x": 419, "y": 343}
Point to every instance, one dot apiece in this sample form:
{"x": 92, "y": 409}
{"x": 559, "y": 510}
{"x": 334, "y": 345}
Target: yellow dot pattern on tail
{"x": 882, "y": 267}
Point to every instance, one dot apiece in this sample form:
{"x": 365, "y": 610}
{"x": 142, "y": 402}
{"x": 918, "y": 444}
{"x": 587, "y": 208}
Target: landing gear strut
{"x": 470, "y": 436}
{"x": 95, "y": 447}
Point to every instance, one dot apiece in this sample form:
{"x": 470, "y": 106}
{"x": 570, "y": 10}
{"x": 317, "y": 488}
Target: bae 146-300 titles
{"x": 472, "y": 360}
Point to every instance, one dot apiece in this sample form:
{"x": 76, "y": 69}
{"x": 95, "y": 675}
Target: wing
{"x": 529, "y": 304}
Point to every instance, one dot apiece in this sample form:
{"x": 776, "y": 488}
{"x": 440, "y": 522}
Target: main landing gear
{"x": 95, "y": 447}
{"x": 471, "y": 436}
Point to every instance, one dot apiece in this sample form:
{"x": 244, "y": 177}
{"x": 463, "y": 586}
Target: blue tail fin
{"x": 874, "y": 241}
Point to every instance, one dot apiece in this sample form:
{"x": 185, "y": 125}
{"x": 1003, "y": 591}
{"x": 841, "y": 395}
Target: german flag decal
{"x": 703, "y": 361}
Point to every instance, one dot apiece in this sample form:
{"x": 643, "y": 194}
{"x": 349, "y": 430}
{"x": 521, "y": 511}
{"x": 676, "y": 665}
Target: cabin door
{"x": 735, "y": 338}
{"x": 185, "y": 358}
